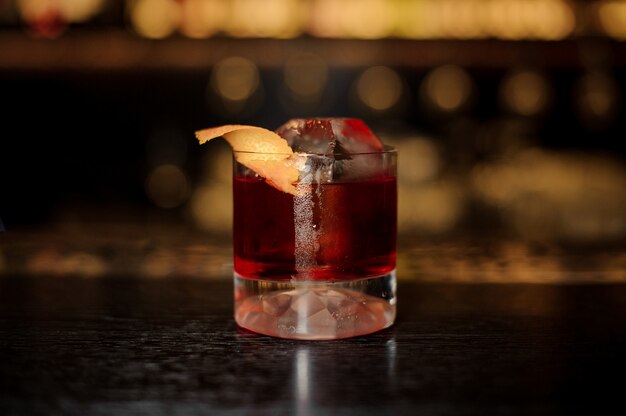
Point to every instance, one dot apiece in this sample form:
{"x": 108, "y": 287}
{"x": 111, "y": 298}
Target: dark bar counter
{"x": 129, "y": 345}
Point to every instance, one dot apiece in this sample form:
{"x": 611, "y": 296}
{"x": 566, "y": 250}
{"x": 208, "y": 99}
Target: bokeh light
{"x": 155, "y": 19}
{"x": 359, "y": 19}
{"x": 203, "y": 18}
{"x": 265, "y": 18}
{"x": 421, "y": 159}
{"x": 447, "y": 88}
{"x": 80, "y": 10}
{"x": 306, "y": 75}
{"x": 523, "y": 19}
{"x": 461, "y": 20}
{"x": 432, "y": 208}
{"x": 551, "y": 20}
{"x": 167, "y": 186}
{"x": 596, "y": 98}
{"x": 43, "y": 17}
{"x": 612, "y": 17}
{"x": 428, "y": 202}
{"x": 235, "y": 78}
{"x": 379, "y": 88}
{"x": 367, "y": 19}
{"x": 68, "y": 10}
{"x": 325, "y": 18}
{"x": 362, "y": 19}
{"x": 55, "y": 262}
{"x": 546, "y": 195}
{"x": 525, "y": 92}
{"x": 473, "y": 19}
{"x": 211, "y": 204}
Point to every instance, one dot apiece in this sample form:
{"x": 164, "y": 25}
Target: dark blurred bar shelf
{"x": 120, "y": 50}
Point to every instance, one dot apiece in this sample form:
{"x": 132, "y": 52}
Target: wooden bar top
{"x": 78, "y": 346}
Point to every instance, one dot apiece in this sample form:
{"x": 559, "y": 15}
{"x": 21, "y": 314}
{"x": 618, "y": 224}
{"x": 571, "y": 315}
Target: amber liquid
{"x": 354, "y": 225}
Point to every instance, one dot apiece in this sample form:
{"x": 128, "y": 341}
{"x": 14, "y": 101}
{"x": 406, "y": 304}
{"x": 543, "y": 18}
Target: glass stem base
{"x": 315, "y": 310}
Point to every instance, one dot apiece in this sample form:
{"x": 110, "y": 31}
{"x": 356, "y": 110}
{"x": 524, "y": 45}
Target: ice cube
{"x": 355, "y": 137}
{"x": 341, "y": 141}
{"x": 330, "y": 136}
{"x": 309, "y": 135}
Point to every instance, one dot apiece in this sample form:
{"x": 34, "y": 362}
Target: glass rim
{"x": 387, "y": 149}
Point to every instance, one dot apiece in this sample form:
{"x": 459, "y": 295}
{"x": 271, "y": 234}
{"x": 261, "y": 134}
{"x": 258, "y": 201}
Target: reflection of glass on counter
{"x": 311, "y": 382}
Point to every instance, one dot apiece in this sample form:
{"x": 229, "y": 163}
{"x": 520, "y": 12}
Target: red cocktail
{"x": 318, "y": 263}
{"x": 354, "y": 224}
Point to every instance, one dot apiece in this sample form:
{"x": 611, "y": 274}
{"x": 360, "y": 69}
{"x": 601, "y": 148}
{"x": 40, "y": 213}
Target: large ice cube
{"x": 330, "y": 136}
{"x": 343, "y": 143}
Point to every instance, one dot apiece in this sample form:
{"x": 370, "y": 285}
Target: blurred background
{"x": 508, "y": 116}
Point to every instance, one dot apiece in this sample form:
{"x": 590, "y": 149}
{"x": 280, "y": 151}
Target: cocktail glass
{"x": 319, "y": 264}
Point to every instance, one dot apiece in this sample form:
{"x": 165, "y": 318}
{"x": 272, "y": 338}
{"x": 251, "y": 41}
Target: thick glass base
{"x": 316, "y": 310}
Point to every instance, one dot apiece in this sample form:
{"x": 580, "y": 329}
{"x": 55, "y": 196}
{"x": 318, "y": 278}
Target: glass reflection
{"x": 319, "y": 371}
{"x": 302, "y": 386}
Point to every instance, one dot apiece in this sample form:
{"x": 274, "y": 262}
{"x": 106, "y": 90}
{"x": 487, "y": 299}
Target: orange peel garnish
{"x": 262, "y": 151}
